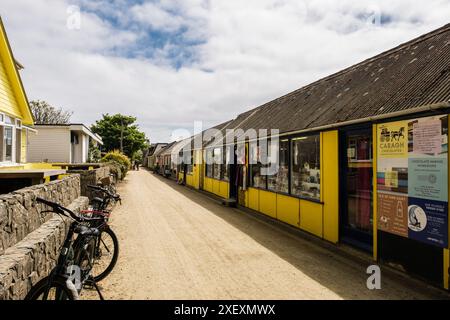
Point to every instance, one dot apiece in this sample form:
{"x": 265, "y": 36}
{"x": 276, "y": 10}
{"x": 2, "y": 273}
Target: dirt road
{"x": 176, "y": 243}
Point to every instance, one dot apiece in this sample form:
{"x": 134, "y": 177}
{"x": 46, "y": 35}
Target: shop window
{"x": 190, "y": 166}
{"x": 257, "y": 178}
{"x": 279, "y": 182}
{"x": 226, "y": 163}
{"x": 217, "y": 166}
{"x": 209, "y": 163}
{"x": 305, "y": 177}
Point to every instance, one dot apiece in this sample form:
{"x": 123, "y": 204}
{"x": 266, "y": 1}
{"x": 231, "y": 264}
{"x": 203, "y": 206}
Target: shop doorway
{"x": 233, "y": 172}
{"x": 356, "y": 223}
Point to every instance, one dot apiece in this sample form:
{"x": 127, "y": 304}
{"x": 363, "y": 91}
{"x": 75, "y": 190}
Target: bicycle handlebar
{"x": 59, "y": 209}
{"x": 116, "y": 197}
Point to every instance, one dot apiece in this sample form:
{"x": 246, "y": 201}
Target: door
{"x": 356, "y": 188}
{"x": 233, "y": 167}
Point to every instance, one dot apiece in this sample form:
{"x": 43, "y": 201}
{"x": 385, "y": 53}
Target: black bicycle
{"x": 107, "y": 245}
{"x": 75, "y": 261}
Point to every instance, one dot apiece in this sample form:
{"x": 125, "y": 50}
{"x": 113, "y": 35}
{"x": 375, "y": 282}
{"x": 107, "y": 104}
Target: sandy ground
{"x": 176, "y": 243}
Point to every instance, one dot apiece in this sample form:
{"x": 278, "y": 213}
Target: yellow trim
{"x": 375, "y": 195}
{"x": 446, "y": 266}
{"x": 8, "y": 61}
{"x": 446, "y": 252}
{"x": 330, "y": 185}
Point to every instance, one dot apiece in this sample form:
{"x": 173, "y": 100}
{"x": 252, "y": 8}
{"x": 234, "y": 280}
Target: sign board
{"x": 412, "y": 179}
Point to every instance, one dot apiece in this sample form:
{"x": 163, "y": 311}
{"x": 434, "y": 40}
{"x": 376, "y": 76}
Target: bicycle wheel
{"x": 85, "y": 255}
{"x": 106, "y": 254}
{"x": 57, "y": 290}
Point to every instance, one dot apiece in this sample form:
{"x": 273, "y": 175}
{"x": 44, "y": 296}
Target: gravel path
{"x": 176, "y": 243}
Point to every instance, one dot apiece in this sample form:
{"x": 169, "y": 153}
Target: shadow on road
{"x": 346, "y": 277}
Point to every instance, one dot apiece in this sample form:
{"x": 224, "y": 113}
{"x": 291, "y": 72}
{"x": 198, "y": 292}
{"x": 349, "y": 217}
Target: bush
{"x": 118, "y": 162}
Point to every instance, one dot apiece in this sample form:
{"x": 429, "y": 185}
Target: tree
{"x": 94, "y": 154}
{"x": 119, "y": 132}
{"x": 44, "y": 113}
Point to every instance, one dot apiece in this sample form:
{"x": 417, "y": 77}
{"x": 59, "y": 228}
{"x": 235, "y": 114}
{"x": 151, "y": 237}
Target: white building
{"x": 66, "y": 143}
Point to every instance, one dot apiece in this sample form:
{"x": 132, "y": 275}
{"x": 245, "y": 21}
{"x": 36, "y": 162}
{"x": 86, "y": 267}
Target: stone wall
{"x": 90, "y": 177}
{"x": 30, "y": 239}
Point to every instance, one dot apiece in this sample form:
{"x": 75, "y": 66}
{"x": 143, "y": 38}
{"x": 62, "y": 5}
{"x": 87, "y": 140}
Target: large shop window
{"x": 190, "y": 166}
{"x": 226, "y": 162}
{"x": 217, "y": 163}
{"x": 257, "y": 178}
{"x": 305, "y": 179}
{"x": 279, "y": 182}
{"x": 209, "y": 163}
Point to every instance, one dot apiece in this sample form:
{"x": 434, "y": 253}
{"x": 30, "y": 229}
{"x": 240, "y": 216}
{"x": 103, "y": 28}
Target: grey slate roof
{"x": 414, "y": 74}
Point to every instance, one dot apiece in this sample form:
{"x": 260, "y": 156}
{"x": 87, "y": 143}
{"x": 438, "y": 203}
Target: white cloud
{"x": 249, "y": 53}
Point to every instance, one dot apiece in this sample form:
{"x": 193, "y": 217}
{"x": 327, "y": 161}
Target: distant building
{"x": 153, "y": 150}
{"x": 66, "y": 143}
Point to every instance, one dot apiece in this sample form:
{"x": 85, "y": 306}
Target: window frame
{"x": 250, "y": 166}
{"x": 289, "y": 138}
{"x": 13, "y": 128}
{"x": 292, "y": 138}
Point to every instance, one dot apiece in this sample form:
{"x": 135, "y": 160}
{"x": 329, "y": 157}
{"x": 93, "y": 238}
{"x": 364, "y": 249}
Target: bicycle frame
{"x": 61, "y": 264}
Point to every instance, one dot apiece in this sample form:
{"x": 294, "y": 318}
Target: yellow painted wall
{"x": 208, "y": 184}
{"x": 190, "y": 180}
{"x": 197, "y": 169}
{"x": 288, "y": 210}
{"x": 268, "y": 203}
{"x": 8, "y": 103}
{"x": 311, "y": 218}
{"x": 253, "y": 199}
{"x": 224, "y": 189}
{"x": 13, "y": 100}
{"x": 216, "y": 186}
{"x": 330, "y": 185}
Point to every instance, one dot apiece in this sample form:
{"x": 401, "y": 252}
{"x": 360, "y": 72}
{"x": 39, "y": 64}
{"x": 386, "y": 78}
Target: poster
{"x": 428, "y": 221}
{"x": 428, "y": 178}
{"x": 412, "y": 179}
{"x": 393, "y": 139}
{"x": 392, "y": 213}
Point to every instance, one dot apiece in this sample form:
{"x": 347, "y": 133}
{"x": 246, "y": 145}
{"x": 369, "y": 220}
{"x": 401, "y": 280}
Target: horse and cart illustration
{"x": 392, "y": 135}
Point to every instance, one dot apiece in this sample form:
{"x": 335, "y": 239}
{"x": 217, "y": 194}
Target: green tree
{"x": 44, "y": 113}
{"x": 120, "y": 132}
{"x": 94, "y": 154}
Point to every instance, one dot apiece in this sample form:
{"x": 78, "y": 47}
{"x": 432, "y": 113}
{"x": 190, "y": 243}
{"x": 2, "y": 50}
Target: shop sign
{"x": 412, "y": 179}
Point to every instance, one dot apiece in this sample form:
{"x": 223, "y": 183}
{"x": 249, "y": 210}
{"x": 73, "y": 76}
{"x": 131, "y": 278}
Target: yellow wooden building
{"x": 15, "y": 115}
{"x": 362, "y": 158}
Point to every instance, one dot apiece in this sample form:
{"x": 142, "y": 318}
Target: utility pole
{"x": 121, "y": 134}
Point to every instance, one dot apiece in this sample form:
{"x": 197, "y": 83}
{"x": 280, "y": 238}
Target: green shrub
{"x": 118, "y": 162}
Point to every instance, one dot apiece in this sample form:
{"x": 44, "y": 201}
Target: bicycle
{"x": 76, "y": 255}
{"x": 107, "y": 245}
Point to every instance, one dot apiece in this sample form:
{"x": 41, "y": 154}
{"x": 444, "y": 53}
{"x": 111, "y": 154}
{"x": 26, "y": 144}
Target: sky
{"x": 170, "y": 63}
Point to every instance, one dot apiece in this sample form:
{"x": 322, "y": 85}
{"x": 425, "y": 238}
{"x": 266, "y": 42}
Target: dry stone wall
{"x": 30, "y": 239}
